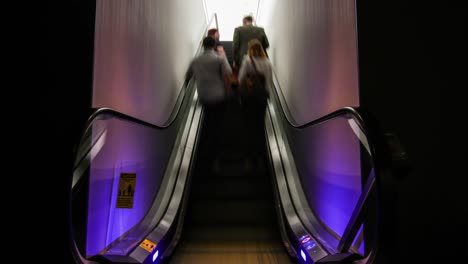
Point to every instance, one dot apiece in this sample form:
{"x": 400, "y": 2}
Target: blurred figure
{"x": 213, "y": 32}
{"x": 242, "y": 36}
{"x": 256, "y": 82}
{"x": 230, "y": 80}
{"x": 254, "y": 61}
{"x": 210, "y": 70}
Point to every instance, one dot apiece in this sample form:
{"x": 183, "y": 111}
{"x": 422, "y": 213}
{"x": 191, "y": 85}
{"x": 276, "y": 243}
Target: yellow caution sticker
{"x": 126, "y": 192}
{"x": 148, "y": 245}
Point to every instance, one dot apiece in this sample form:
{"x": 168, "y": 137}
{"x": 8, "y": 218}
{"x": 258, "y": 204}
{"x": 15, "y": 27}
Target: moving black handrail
{"x": 355, "y": 111}
{"x": 104, "y": 113}
{"x": 381, "y": 181}
{"x": 98, "y": 112}
{"x": 105, "y": 110}
{"x": 95, "y": 112}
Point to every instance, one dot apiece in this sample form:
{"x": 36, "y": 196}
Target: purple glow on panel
{"x": 334, "y": 203}
{"x": 329, "y": 161}
{"x": 128, "y": 148}
{"x": 359, "y": 241}
{"x": 361, "y": 248}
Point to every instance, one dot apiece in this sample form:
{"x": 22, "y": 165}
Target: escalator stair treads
{"x": 232, "y": 233}
{"x": 221, "y": 211}
{"x": 234, "y": 188}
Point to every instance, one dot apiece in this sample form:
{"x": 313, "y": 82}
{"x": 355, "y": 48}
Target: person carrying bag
{"x": 255, "y": 78}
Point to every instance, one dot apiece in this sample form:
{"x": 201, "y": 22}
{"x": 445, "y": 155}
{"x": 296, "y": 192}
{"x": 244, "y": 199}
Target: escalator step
{"x": 231, "y": 212}
{"x": 233, "y": 233}
{"x": 233, "y": 188}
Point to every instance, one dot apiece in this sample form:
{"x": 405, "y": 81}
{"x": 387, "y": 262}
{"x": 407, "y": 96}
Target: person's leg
{"x": 204, "y": 145}
{"x": 259, "y": 130}
{"x": 210, "y": 123}
{"x": 218, "y": 124}
{"x": 215, "y": 137}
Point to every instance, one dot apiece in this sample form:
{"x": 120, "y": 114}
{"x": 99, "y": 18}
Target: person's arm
{"x": 226, "y": 68}
{"x": 265, "y": 42}
{"x": 229, "y": 78}
{"x": 244, "y": 68}
{"x": 269, "y": 78}
{"x": 236, "y": 47}
{"x": 220, "y": 51}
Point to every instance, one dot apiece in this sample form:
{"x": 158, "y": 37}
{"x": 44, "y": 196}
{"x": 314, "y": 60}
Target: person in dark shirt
{"x": 242, "y": 36}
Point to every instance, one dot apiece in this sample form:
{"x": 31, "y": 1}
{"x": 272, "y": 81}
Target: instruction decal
{"x": 148, "y": 245}
{"x": 126, "y": 192}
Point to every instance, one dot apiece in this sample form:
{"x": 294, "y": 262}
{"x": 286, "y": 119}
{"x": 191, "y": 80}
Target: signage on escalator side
{"x": 307, "y": 242}
{"x": 148, "y": 245}
{"x": 126, "y": 191}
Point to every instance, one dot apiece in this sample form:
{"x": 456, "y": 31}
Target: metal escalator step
{"x": 231, "y": 188}
{"x": 233, "y": 233}
{"x": 218, "y": 212}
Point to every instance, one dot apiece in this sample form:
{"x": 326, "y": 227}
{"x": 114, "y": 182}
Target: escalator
{"x": 231, "y": 216}
{"x": 193, "y": 207}
{"x": 230, "y": 212}
{"x": 186, "y": 204}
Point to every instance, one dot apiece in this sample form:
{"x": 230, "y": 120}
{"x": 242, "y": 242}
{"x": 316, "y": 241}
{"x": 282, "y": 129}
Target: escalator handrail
{"x": 96, "y": 112}
{"x": 355, "y": 111}
{"x": 106, "y": 110}
{"x": 379, "y": 152}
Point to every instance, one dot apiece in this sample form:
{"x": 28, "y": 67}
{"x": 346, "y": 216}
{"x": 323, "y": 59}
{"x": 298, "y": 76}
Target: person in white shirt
{"x": 254, "y": 99}
{"x": 263, "y": 65}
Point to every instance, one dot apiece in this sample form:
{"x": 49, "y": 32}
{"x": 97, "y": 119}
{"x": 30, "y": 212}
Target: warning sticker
{"x": 126, "y": 190}
{"x": 148, "y": 245}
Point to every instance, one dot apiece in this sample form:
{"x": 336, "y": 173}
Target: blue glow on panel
{"x": 155, "y": 256}
{"x": 303, "y": 255}
{"x": 307, "y": 242}
{"x": 358, "y": 241}
{"x": 128, "y": 148}
{"x": 361, "y": 248}
{"x": 330, "y": 171}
